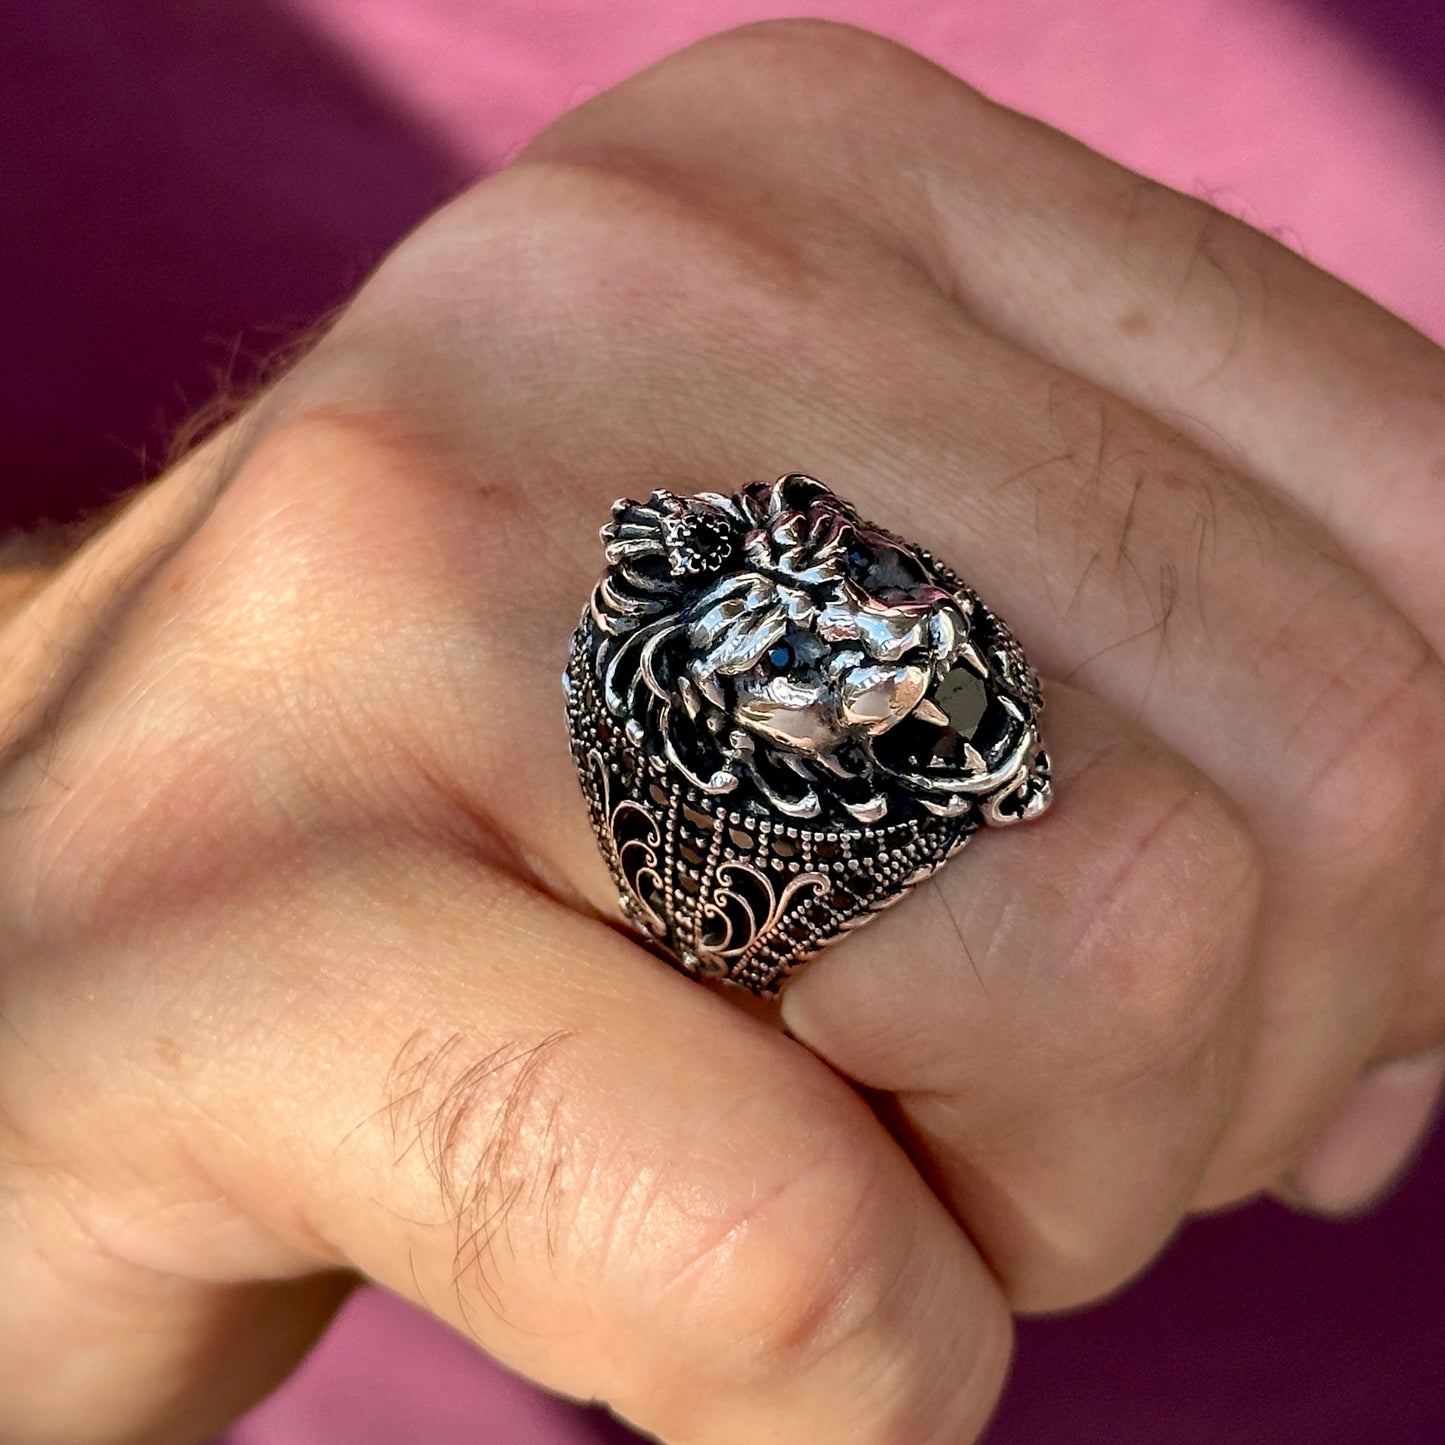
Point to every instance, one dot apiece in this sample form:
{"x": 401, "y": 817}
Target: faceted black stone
{"x": 907, "y": 746}
{"x": 964, "y": 697}
{"x": 697, "y": 543}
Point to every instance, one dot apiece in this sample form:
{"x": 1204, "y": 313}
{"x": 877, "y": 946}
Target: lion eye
{"x": 780, "y": 657}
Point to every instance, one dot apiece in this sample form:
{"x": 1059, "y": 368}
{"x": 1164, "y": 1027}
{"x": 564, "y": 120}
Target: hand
{"x": 306, "y": 967}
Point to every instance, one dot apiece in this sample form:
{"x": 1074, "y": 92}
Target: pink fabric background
{"x": 187, "y": 185}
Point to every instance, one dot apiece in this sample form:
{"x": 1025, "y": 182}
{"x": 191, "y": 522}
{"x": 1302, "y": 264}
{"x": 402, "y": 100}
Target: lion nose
{"x": 877, "y": 697}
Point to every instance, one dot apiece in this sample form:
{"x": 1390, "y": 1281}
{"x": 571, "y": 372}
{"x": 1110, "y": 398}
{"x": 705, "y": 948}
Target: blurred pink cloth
{"x": 1264, "y": 106}
{"x": 197, "y": 182}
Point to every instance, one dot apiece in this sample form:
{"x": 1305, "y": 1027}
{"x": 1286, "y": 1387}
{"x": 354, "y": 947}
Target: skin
{"x": 307, "y": 968}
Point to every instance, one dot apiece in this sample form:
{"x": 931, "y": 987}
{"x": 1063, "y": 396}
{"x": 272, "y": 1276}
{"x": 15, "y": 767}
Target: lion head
{"x": 772, "y": 642}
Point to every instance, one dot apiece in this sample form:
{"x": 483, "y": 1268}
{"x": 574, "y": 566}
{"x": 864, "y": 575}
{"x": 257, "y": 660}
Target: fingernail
{"x": 1374, "y": 1137}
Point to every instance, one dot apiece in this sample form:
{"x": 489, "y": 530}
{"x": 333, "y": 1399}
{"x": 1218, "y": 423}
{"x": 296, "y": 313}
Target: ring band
{"x": 783, "y": 718}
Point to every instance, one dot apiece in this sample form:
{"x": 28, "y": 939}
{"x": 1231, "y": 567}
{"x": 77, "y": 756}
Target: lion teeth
{"x": 869, "y": 811}
{"x": 707, "y": 683}
{"x": 926, "y": 710}
{"x": 947, "y": 808}
{"x": 969, "y": 654}
{"x": 690, "y": 698}
{"x": 973, "y": 759}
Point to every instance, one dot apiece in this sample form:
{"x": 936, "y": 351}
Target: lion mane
{"x": 704, "y": 594}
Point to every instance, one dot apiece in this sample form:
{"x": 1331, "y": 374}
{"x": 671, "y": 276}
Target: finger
{"x": 1129, "y": 562}
{"x": 1063, "y": 1014}
{"x": 1372, "y": 1139}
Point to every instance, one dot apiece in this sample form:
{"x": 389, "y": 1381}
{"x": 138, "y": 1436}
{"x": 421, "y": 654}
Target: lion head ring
{"x": 783, "y": 718}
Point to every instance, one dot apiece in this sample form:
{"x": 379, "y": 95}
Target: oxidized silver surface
{"x": 783, "y": 718}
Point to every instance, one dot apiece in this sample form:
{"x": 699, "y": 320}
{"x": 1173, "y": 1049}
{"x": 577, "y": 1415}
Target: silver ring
{"x": 783, "y": 718}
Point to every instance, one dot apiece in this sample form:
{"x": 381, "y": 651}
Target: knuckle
{"x": 607, "y": 244}
{"x": 818, "y": 76}
{"x": 329, "y": 502}
{"x": 1417, "y": 1024}
{"x": 798, "y": 73}
{"x": 790, "y": 125}
{"x": 820, "y": 1264}
{"x": 804, "y": 50}
{"x": 1371, "y": 767}
{"x": 1053, "y": 1281}
{"x": 1165, "y": 948}
{"x": 784, "y": 1276}
{"x": 781, "y": 1254}
{"x": 786, "y": 1283}
{"x": 816, "y": 1266}
{"x": 250, "y": 692}
{"x": 320, "y": 610}
{"x": 628, "y": 241}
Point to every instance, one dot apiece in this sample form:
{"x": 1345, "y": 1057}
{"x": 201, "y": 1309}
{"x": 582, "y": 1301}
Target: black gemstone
{"x": 908, "y": 745}
{"x": 964, "y": 697}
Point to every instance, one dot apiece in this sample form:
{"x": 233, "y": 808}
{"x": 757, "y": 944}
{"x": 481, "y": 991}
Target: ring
{"x": 783, "y": 718}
